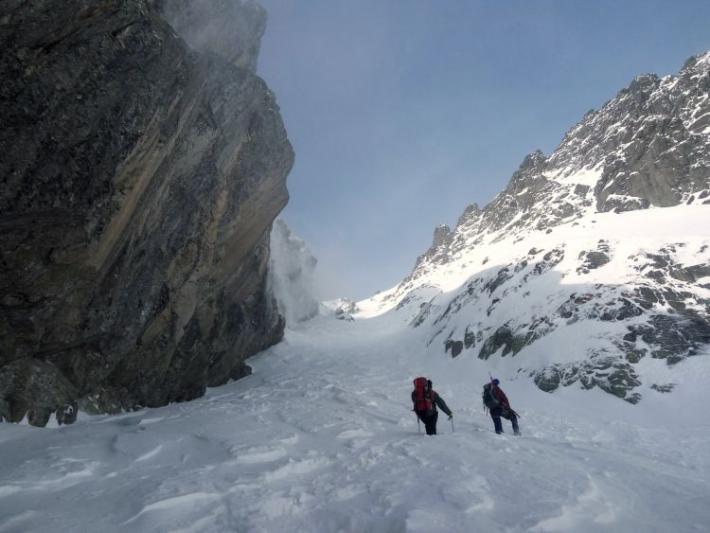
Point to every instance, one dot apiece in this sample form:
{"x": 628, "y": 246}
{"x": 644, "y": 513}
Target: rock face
{"x": 140, "y": 178}
{"x": 574, "y": 274}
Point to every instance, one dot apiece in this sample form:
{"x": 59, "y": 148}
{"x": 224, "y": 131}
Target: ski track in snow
{"x": 321, "y": 439}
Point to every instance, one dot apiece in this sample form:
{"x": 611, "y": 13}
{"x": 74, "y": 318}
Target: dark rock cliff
{"x": 140, "y": 175}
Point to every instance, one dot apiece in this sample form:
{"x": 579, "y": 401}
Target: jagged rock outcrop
{"x": 573, "y": 270}
{"x": 140, "y": 178}
{"x": 437, "y": 252}
{"x": 647, "y": 147}
{"x": 342, "y": 308}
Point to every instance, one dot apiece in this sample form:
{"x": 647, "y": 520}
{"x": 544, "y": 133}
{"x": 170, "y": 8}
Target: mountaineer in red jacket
{"x": 497, "y": 403}
{"x": 425, "y": 400}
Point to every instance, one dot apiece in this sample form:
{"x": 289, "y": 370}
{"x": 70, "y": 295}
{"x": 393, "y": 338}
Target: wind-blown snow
{"x": 321, "y": 439}
{"x": 291, "y": 274}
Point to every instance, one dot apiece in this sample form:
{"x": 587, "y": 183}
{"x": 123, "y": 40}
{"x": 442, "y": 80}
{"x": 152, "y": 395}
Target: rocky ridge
{"x": 647, "y": 147}
{"x": 142, "y": 167}
{"x": 551, "y": 252}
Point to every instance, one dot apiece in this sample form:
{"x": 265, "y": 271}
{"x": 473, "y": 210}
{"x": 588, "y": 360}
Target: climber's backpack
{"x": 422, "y": 399}
{"x": 488, "y": 399}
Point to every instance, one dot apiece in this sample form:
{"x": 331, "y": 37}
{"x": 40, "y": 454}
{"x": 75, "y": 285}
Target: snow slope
{"x": 321, "y": 439}
{"x": 628, "y": 234}
{"x": 607, "y": 301}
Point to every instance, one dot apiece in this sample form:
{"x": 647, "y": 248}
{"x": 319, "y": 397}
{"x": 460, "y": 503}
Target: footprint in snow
{"x": 296, "y": 467}
{"x": 260, "y": 455}
{"x": 470, "y": 496}
{"x": 355, "y": 438}
{"x": 354, "y": 434}
{"x": 592, "y": 506}
{"x": 174, "y": 510}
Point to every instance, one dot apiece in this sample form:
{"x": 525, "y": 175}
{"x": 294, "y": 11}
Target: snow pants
{"x": 497, "y": 413}
{"x": 429, "y": 419}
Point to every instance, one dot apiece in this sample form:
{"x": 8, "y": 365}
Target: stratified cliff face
{"x": 140, "y": 178}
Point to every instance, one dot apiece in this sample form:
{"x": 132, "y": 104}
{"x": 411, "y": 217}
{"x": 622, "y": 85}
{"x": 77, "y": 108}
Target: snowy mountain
{"x": 320, "y": 438}
{"x": 592, "y": 267}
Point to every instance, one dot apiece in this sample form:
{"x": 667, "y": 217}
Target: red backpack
{"x": 422, "y": 397}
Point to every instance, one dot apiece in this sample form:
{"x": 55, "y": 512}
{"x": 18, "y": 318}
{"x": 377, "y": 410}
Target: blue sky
{"x": 403, "y": 112}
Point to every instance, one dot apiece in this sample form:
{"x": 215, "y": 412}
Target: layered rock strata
{"x": 140, "y": 177}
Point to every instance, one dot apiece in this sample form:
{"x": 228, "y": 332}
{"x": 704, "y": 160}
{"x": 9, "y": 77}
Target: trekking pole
{"x": 452, "y": 426}
{"x": 419, "y": 426}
